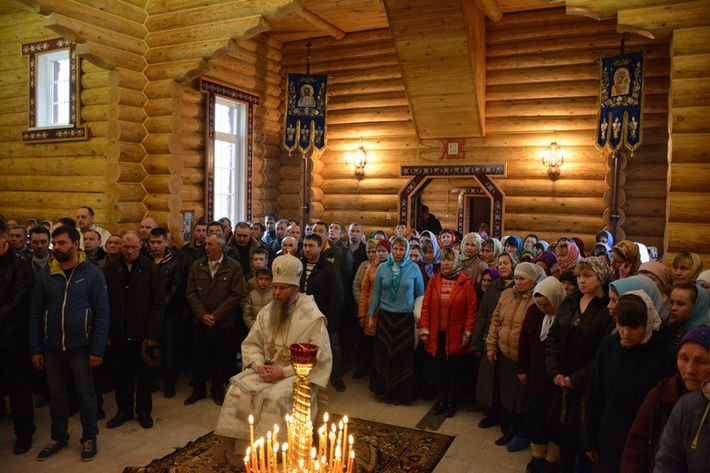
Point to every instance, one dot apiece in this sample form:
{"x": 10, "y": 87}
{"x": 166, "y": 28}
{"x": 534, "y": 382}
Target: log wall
{"x": 366, "y": 102}
{"x": 49, "y": 180}
{"x": 542, "y": 86}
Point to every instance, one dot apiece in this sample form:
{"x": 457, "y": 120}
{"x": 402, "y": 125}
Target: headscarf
{"x": 630, "y": 252}
{"x": 552, "y": 289}
{"x": 699, "y": 314}
{"x": 497, "y": 250}
{"x": 550, "y": 259}
{"x": 572, "y": 258}
{"x": 518, "y": 241}
{"x": 639, "y": 283}
{"x": 609, "y": 238}
{"x": 450, "y": 232}
{"x": 471, "y": 236}
{"x": 600, "y": 268}
{"x": 544, "y": 244}
{"x": 661, "y": 271}
{"x": 569, "y": 277}
{"x": 530, "y": 252}
{"x": 580, "y": 244}
{"x": 530, "y": 271}
{"x": 704, "y": 276}
{"x": 643, "y": 253}
{"x": 435, "y": 242}
{"x": 456, "y": 269}
{"x": 397, "y": 274}
{"x": 653, "y": 320}
{"x": 495, "y": 274}
{"x": 407, "y": 230}
{"x": 700, "y": 335}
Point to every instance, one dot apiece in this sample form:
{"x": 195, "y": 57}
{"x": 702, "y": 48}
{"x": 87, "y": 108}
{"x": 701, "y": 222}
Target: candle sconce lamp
{"x": 357, "y": 161}
{"x": 552, "y": 160}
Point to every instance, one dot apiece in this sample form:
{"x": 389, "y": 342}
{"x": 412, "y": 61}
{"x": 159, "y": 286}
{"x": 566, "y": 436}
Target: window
{"x": 54, "y": 92}
{"x": 229, "y": 162}
{"x": 228, "y": 154}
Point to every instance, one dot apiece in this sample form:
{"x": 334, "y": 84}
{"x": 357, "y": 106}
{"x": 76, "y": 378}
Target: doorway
{"x": 479, "y": 210}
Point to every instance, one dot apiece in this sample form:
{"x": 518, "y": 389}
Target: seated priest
{"x": 265, "y": 388}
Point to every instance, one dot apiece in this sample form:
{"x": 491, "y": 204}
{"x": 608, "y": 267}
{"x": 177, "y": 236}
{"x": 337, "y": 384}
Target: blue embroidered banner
{"x": 620, "y": 102}
{"x": 305, "y": 112}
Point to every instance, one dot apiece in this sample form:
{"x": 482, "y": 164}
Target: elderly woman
{"x": 471, "y": 264}
{"x": 693, "y": 364}
{"x": 629, "y": 363}
{"x": 548, "y": 295}
{"x": 625, "y": 259}
{"x": 445, "y": 329}
{"x": 581, "y": 323}
{"x": 567, "y": 254}
{"x": 398, "y": 282}
{"x": 502, "y": 349}
{"x": 687, "y": 267}
{"x": 485, "y": 394}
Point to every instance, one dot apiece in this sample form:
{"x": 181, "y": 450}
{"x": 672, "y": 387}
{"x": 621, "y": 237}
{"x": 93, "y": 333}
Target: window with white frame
{"x": 230, "y": 146}
{"x": 54, "y": 95}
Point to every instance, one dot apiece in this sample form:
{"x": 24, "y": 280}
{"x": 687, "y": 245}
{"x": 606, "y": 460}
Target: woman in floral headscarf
{"x": 582, "y": 321}
{"x": 490, "y": 251}
{"x": 568, "y": 255}
{"x": 625, "y": 259}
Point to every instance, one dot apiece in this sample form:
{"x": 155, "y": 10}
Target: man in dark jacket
{"x": 215, "y": 289}
{"x": 69, "y": 324}
{"x": 16, "y": 281}
{"x": 174, "y": 285}
{"x": 137, "y": 298}
{"x": 322, "y": 280}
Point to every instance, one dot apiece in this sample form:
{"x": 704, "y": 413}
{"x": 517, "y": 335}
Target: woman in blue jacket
{"x": 398, "y": 282}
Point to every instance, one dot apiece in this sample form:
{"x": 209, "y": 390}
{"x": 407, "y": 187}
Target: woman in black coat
{"x": 581, "y": 323}
{"x": 629, "y": 363}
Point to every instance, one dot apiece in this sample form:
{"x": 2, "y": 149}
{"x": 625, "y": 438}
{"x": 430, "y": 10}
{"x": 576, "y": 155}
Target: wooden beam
{"x": 108, "y": 19}
{"x": 490, "y": 8}
{"x": 326, "y": 27}
{"x": 245, "y": 27}
{"x": 660, "y": 21}
{"x": 80, "y": 32}
{"x": 110, "y": 58}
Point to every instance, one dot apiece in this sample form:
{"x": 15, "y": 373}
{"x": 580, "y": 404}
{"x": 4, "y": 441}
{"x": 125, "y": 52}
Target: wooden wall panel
{"x": 48, "y": 180}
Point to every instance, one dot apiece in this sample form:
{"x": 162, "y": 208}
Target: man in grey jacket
{"x": 69, "y": 323}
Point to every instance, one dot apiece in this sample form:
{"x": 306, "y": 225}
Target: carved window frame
{"x": 74, "y": 130}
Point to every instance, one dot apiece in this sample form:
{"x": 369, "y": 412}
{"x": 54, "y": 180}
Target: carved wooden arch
{"x": 422, "y": 175}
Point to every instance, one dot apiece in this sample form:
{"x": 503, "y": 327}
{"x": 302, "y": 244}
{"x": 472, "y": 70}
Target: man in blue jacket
{"x": 69, "y": 323}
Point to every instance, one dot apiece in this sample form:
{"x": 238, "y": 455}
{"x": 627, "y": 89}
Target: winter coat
{"x": 325, "y": 284}
{"x": 462, "y": 314}
{"x": 220, "y": 296}
{"x": 507, "y": 322}
{"x": 486, "y": 306}
{"x": 620, "y": 380}
{"x": 685, "y": 443}
{"x": 173, "y": 282}
{"x": 16, "y": 282}
{"x": 368, "y": 281}
{"x": 642, "y": 441}
{"x": 571, "y": 346}
{"x": 531, "y": 353}
{"x": 68, "y": 313}
{"x": 252, "y": 304}
{"x": 137, "y": 300}
{"x": 472, "y": 267}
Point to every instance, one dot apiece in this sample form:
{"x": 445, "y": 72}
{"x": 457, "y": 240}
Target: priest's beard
{"x": 280, "y": 315}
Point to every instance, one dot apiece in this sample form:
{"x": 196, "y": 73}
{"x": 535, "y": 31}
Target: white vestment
{"x": 270, "y": 402}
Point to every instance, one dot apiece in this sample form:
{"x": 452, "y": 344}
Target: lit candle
{"x": 351, "y": 460}
{"x": 351, "y": 440}
{"x": 345, "y": 428}
{"x": 331, "y": 438}
{"x": 284, "y": 465}
{"x": 246, "y": 463}
{"x": 268, "y": 451}
{"x": 251, "y": 440}
{"x": 276, "y": 432}
{"x": 261, "y": 455}
{"x": 275, "y": 458}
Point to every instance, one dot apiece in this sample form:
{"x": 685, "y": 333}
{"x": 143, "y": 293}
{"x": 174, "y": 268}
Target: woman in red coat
{"x": 448, "y": 313}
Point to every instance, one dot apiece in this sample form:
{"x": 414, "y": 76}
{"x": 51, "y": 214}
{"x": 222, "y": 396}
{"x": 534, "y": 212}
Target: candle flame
{"x": 251, "y": 419}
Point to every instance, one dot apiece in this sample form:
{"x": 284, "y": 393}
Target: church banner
{"x": 305, "y": 114}
{"x": 620, "y": 102}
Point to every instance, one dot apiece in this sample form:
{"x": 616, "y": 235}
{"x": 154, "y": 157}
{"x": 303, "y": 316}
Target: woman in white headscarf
{"x": 548, "y": 295}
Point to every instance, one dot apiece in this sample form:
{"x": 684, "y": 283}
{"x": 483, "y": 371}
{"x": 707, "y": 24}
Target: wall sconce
{"x": 357, "y": 160}
{"x": 552, "y": 159}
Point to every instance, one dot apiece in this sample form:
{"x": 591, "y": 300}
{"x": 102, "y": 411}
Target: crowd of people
{"x": 597, "y": 362}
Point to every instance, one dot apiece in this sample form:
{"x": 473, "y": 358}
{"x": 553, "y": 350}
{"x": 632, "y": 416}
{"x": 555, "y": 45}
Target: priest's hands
{"x": 270, "y": 373}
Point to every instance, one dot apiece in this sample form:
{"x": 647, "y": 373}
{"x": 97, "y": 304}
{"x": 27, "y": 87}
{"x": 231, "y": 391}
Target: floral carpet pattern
{"x": 379, "y": 448}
